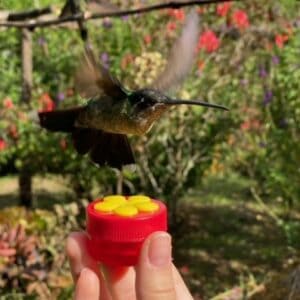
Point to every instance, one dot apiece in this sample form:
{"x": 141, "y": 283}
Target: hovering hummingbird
{"x": 100, "y": 127}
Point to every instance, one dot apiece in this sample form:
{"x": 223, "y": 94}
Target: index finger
{"x": 79, "y": 258}
{"x": 121, "y": 282}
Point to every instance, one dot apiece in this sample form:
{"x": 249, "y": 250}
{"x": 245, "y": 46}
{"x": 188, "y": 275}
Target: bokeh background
{"x": 231, "y": 179}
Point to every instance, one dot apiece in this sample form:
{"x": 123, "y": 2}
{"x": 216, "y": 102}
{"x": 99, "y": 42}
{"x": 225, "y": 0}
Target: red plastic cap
{"x": 116, "y": 240}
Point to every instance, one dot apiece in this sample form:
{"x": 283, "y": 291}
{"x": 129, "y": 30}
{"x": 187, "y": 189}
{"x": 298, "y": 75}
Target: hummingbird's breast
{"x": 111, "y": 116}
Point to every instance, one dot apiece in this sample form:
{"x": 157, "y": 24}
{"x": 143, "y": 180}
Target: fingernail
{"x": 160, "y": 250}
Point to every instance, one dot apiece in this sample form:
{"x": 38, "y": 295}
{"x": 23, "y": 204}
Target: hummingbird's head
{"x": 151, "y": 101}
{"x": 147, "y": 105}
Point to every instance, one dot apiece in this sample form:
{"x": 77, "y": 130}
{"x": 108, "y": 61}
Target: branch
{"x": 29, "y": 14}
{"x": 85, "y": 17}
{"x": 267, "y": 209}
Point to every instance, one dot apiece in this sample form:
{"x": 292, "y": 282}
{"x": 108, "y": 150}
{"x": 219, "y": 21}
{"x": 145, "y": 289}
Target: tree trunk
{"x": 25, "y": 188}
{"x": 25, "y": 176}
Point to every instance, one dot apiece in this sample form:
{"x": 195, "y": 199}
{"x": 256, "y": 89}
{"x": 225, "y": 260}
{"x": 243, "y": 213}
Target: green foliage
{"x": 268, "y": 147}
{"x": 283, "y": 132}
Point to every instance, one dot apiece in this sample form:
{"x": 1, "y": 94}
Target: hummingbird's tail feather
{"x": 60, "y": 120}
{"x": 111, "y": 150}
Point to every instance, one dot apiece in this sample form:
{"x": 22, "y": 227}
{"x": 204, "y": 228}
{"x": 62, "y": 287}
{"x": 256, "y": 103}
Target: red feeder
{"x": 118, "y": 225}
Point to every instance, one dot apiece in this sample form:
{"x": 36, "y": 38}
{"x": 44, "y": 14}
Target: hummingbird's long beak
{"x": 191, "y": 102}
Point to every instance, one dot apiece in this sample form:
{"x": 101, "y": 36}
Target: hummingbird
{"x": 101, "y": 127}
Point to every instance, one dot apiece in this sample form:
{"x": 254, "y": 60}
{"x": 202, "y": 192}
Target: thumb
{"x": 154, "y": 275}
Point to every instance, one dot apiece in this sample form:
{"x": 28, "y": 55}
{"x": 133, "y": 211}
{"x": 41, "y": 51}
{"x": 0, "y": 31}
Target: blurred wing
{"x": 93, "y": 79}
{"x": 181, "y": 57}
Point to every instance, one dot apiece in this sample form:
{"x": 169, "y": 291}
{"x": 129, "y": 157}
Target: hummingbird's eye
{"x": 144, "y": 103}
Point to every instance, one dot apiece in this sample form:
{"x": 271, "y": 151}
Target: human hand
{"x": 154, "y": 277}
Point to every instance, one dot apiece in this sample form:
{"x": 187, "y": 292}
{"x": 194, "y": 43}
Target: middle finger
{"x": 121, "y": 282}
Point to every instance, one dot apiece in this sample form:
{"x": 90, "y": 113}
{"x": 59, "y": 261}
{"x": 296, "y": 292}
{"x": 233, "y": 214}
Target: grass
{"x": 226, "y": 238}
{"x": 47, "y": 191}
{"x": 223, "y": 239}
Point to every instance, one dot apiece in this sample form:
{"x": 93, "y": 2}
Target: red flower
{"x": 240, "y": 19}
{"x": 171, "y": 26}
{"x": 2, "y": 144}
{"x": 280, "y": 40}
{"x": 250, "y": 124}
{"x": 223, "y": 8}
{"x": 178, "y": 14}
{"x": 47, "y": 102}
{"x": 147, "y": 39}
{"x": 208, "y": 41}
{"x": 7, "y": 103}
{"x": 245, "y": 126}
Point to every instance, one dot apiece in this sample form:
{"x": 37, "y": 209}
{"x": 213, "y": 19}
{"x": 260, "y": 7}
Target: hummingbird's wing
{"x": 92, "y": 79}
{"x": 181, "y": 57}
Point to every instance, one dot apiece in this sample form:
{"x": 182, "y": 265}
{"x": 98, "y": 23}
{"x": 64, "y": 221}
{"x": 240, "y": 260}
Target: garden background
{"x": 230, "y": 179}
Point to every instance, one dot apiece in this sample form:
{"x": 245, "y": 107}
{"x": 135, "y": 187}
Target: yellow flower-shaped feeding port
{"x": 126, "y": 210}
{"x": 139, "y": 199}
{"x": 130, "y": 207}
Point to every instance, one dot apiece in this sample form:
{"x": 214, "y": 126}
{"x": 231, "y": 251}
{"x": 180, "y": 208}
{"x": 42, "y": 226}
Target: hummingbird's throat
{"x": 149, "y": 116}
